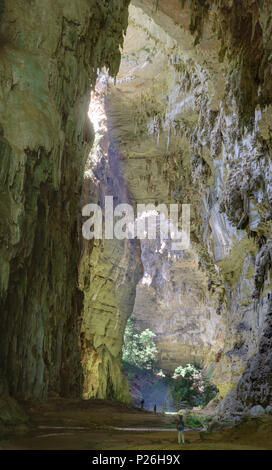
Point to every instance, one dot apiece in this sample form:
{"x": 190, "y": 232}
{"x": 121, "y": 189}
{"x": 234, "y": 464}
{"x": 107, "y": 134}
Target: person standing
{"x": 180, "y": 429}
{"x": 155, "y": 408}
{"x": 142, "y": 404}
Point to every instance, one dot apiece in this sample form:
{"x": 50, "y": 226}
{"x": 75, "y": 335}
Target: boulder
{"x": 256, "y": 410}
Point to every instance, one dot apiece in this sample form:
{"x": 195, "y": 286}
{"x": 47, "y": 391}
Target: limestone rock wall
{"x": 254, "y": 388}
{"x": 193, "y": 108}
{"x": 109, "y": 269}
{"x": 243, "y": 29}
{"x": 174, "y": 302}
{"x": 50, "y": 53}
{"x": 188, "y": 121}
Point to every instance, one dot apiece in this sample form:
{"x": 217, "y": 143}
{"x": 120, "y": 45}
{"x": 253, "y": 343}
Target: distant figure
{"x": 180, "y": 429}
{"x": 142, "y": 404}
{"x": 155, "y": 408}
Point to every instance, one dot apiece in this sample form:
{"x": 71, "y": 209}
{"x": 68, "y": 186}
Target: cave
{"x": 108, "y": 107}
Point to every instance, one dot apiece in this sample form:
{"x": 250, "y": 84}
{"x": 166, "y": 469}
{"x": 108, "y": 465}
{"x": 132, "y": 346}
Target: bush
{"x": 196, "y": 421}
{"x": 191, "y": 386}
{"x": 139, "y": 348}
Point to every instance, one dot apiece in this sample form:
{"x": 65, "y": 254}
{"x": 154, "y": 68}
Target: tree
{"x": 192, "y": 386}
{"x": 139, "y": 348}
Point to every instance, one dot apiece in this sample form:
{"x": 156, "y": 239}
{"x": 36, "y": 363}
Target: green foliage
{"x": 191, "y": 386}
{"x": 192, "y": 420}
{"x": 139, "y": 348}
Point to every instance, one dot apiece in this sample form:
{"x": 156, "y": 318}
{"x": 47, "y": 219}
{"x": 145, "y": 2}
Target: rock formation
{"x": 50, "y": 54}
{"x": 109, "y": 269}
{"x": 188, "y": 134}
{"x": 187, "y": 120}
{"x": 252, "y": 395}
{"x": 173, "y": 301}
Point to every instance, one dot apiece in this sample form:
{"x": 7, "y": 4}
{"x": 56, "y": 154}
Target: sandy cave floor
{"x": 62, "y": 424}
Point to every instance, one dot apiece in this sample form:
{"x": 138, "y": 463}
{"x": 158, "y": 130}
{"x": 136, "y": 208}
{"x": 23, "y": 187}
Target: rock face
{"x": 188, "y": 121}
{"x": 194, "y": 126}
{"x": 109, "y": 270}
{"x": 254, "y": 389}
{"x": 10, "y": 412}
{"x": 50, "y": 53}
{"x": 173, "y": 301}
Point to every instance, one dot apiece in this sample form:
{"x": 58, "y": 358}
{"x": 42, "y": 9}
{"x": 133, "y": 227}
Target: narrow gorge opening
{"x": 180, "y": 116}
